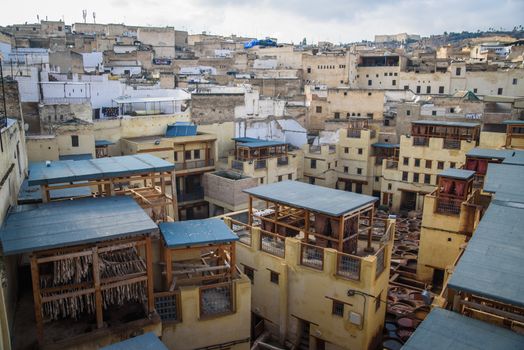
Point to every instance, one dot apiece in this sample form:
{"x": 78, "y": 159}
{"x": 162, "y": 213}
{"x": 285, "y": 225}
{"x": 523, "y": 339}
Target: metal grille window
{"x": 312, "y": 256}
{"x": 440, "y": 165}
{"x": 348, "y": 266}
{"x": 216, "y": 300}
{"x": 167, "y": 306}
{"x": 427, "y": 179}
{"x": 381, "y": 262}
{"x": 250, "y": 273}
{"x": 272, "y": 244}
{"x": 405, "y": 160}
{"x": 417, "y": 162}
{"x": 337, "y": 308}
{"x": 273, "y": 277}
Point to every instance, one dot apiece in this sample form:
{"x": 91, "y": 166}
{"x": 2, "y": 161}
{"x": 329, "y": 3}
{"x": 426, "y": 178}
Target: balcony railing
{"x": 315, "y": 149}
{"x": 420, "y": 141}
{"x": 312, "y": 256}
{"x": 260, "y": 164}
{"x": 194, "y": 164}
{"x": 273, "y": 244}
{"x": 451, "y": 144}
{"x": 348, "y": 266}
{"x": 167, "y": 305}
{"x": 355, "y": 134}
{"x": 391, "y": 164}
{"x": 381, "y": 262}
{"x": 216, "y": 299}
{"x": 237, "y": 165}
{"x": 449, "y": 205}
{"x": 242, "y": 230}
{"x": 282, "y": 161}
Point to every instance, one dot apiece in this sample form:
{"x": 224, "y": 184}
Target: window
{"x": 370, "y": 82}
{"x": 428, "y": 164}
{"x": 385, "y": 74}
{"x": 360, "y": 151}
{"x": 359, "y": 171}
{"x": 250, "y": 273}
{"x": 475, "y": 90}
{"x": 346, "y": 149}
{"x": 417, "y": 162}
{"x": 393, "y": 82}
{"x": 376, "y": 75}
{"x": 290, "y": 176}
{"x": 176, "y": 156}
{"x": 427, "y": 178}
{"x": 408, "y": 112}
{"x": 440, "y": 165}
{"x": 369, "y": 115}
{"x": 346, "y": 169}
{"x": 279, "y": 178}
{"x": 418, "y": 89}
{"x": 406, "y": 87}
{"x": 390, "y": 186}
{"x": 441, "y": 89}
{"x": 395, "y": 74}
{"x": 273, "y": 277}
{"x": 452, "y": 165}
{"x": 415, "y": 177}
{"x": 367, "y": 75}
{"x": 309, "y": 69}
{"x": 377, "y": 178}
{"x": 433, "y": 112}
{"x": 514, "y": 81}
{"x": 345, "y": 93}
{"x": 369, "y": 93}
{"x": 312, "y": 180}
{"x": 313, "y": 163}
{"x": 458, "y": 71}
{"x": 428, "y": 89}
{"x": 405, "y": 160}
{"x": 337, "y": 115}
{"x": 196, "y": 154}
{"x": 187, "y": 155}
{"x": 74, "y": 140}
{"x": 318, "y": 109}
{"x": 404, "y": 176}
{"x": 338, "y": 308}
{"x": 499, "y": 91}
{"x": 452, "y": 110}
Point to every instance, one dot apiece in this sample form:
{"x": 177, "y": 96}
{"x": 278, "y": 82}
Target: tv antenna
{"x": 84, "y": 15}
{"x": 94, "y": 17}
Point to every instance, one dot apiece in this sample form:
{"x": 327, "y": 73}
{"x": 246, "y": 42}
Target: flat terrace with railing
{"x": 452, "y": 132}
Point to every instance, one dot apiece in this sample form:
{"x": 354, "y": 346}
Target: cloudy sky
{"x": 288, "y": 20}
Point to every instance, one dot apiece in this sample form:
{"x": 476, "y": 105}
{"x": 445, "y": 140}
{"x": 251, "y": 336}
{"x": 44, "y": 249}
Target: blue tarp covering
{"x": 195, "y": 232}
{"x": 93, "y": 169}
{"x": 37, "y": 227}
{"x": 262, "y": 43}
{"x": 457, "y": 173}
{"x": 316, "y": 198}
{"x": 181, "y": 129}
{"x": 148, "y": 341}
{"x": 447, "y": 330}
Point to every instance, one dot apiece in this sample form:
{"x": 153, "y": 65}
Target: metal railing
{"x": 420, "y": 141}
{"x": 348, "y": 266}
{"x": 354, "y": 133}
{"x": 451, "y": 144}
{"x": 194, "y": 164}
{"x": 273, "y": 244}
{"x": 449, "y": 205}
{"x": 237, "y": 165}
{"x": 167, "y": 305}
{"x": 312, "y": 256}
{"x": 260, "y": 164}
{"x": 216, "y": 299}
{"x": 391, "y": 164}
{"x": 381, "y": 262}
{"x": 282, "y": 161}
{"x": 242, "y": 230}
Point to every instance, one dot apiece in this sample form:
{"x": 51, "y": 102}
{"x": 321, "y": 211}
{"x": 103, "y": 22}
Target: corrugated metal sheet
{"x": 83, "y": 170}
{"x": 316, "y": 198}
{"x": 446, "y": 330}
{"x": 67, "y": 223}
{"x": 147, "y": 341}
{"x": 194, "y": 232}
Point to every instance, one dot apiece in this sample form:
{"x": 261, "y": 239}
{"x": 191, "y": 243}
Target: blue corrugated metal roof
{"x": 59, "y": 224}
{"x": 148, "y": 341}
{"x": 245, "y": 139}
{"x": 84, "y": 156}
{"x": 93, "y": 169}
{"x": 262, "y": 143}
{"x": 195, "y": 232}
{"x": 446, "y": 330}
{"x": 457, "y": 173}
{"x": 506, "y": 181}
{"x": 492, "y": 263}
{"x": 33, "y": 194}
{"x": 316, "y": 198}
{"x": 102, "y": 143}
{"x": 386, "y": 145}
{"x": 181, "y": 129}
{"x": 446, "y": 123}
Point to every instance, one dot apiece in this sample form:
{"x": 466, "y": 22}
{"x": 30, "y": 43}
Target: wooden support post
{"x": 341, "y": 233}
{"x": 169, "y": 266}
{"x": 174, "y": 196}
{"x": 232, "y": 254}
{"x": 306, "y": 226}
{"x": 250, "y": 211}
{"x": 45, "y": 193}
{"x": 98, "y": 290}
{"x": 277, "y": 209}
{"x": 369, "y": 247}
{"x": 149, "y": 265}
{"x": 35, "y": 278}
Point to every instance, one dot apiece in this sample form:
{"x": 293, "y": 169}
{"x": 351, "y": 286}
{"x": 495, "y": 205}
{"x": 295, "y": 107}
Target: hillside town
{"x": 167, "y": 190}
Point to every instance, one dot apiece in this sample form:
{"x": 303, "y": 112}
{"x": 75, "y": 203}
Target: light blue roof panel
{"x": 447, "y": 330}
{"x": 93, "y": 169}
{"x": 316, "y": 198}
{"x": 196, "y": 232}
{"x": 102, "y": 143}
{"x": 262, "y": 143}
{"x": 506, "y": 181}
{"x": 488, "y": 153}
{"x": 37, "y": 227}
{"x": 457, "y": 173}
{"x": 76, "y": 156}
{"x": 148, "y": 341}
{"x": 446, "y": 123}
{"x": 386, "y": 145}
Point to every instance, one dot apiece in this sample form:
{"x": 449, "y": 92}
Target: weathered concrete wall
{"x": 214, "y": 108}
{"x": 12, "y": 98}
{"x": 226, "y": 192}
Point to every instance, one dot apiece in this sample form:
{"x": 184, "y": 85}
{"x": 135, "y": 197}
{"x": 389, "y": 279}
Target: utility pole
{"x": 3, "y": 120}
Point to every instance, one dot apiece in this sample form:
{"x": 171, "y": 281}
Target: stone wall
{"x": 214, "y": 108}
